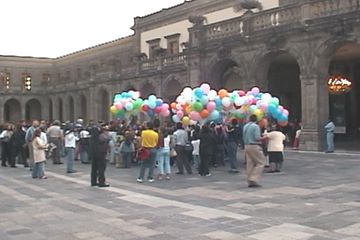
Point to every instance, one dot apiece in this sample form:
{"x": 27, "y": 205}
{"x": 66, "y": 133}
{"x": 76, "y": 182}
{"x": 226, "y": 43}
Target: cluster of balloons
{"x": 154, "y": 105}
{"x": 126, "y": 104}
{"x": 200, "y": 104}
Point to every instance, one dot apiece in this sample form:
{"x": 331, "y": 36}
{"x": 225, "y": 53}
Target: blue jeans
{"x": 38, "y": 170}
{"x": 196, "y": 159}
{"x": 163, "y": 158}
{"x": 330, "y": 141}
{"x": 149, "y": 162}
{"x": 232, "y": 150}
{"x": 69, "y": 158}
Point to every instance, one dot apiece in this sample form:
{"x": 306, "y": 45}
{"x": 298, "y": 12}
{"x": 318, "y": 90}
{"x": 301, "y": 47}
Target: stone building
{"x": 290, "y": 48}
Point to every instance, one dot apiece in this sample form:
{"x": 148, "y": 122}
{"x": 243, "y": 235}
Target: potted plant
{"x": 247, "y": 5}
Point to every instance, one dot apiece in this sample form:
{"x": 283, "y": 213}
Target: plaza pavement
{"x": 316, "y": 197}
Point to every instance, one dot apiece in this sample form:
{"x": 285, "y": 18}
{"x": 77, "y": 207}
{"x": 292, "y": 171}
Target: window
{"x": 27, "y": 81}
{"x": 5, "y": 80}
{"x": 46, "y": 77}
{"x": 78, "y": 73}
{"x": 153, "y": 44}
{"x": 173, "y": 43}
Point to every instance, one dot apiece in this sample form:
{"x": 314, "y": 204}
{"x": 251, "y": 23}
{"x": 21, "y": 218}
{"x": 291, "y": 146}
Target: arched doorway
{"x": 284, "y": 81}
{"x": 51, "y": 114}
{"x": 172, "y": 90}
{"x": 103, "y": 106}
{"x": 12, "y": 111}
{"x": 61, "y": 110}
{"x": 345, "y": 107}
{"x": 33, "y": 110}
{"x": 225, "y": 74}
{"x": 71, "y": 109}
{"x": 147, "y": 89}
{"x": 83, "y": 107}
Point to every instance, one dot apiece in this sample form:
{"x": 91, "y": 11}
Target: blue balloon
{"x": 152, "y": 98}
{"x": 150, "y": 113}
{"x": 252, "y": 108}
{"x": 277, "y": 113}
{"x": 198, "y": 92}
{"x": 129, "y": 106}
{"x": 282, "y": 118}
{"x": 175, "y": 118}
{"x": 218, "y": 102}
{"x": 219, "y": 119}
{"x": 159, "y": 102}
{"x": 152, "y": 104}
{"x": 204, "y": 100}
{"x": 214, "y": 115}
{"x": 272, "y": 108}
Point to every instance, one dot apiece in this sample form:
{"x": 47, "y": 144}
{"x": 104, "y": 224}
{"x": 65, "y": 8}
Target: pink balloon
{"x": 157, "y": 110}
{"x": 118, "y": 105}
{"x": 241, "y": 93}
{"x": 205, "y": 87}
{"x": 194, "y": 115}
{"x": 180, "y": 114}
{"x": 164, "y": 107}
{"x": 255, "y": 90}
{"x": 263, "y": 107}
{"x": 286, "y": 112}
{"x": 210, "y": 106}
{"x": 229, "y": 107}
{"x": 281, "y": 108}
{"x": 166, "y": 113}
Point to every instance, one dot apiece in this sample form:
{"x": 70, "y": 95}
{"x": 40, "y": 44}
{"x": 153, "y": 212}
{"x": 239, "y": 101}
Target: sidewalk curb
{"x": 355, "y": 154}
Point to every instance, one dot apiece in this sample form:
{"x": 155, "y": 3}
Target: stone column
{"x": 2, "y": 113}
{"x": 315, "y": 111}
{"x": 92, "y": 104}
{"x": 23, "y": 109}
{"x": 56, "y": 107}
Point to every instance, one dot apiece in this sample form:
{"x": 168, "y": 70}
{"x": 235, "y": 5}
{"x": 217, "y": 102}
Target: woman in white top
{"x": 39, "y": 155}
{"x": 275, "y": 148}
{"x": 163, "y": 155}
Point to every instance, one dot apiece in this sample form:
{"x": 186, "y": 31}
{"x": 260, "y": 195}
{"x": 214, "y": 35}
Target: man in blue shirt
{"x": 253, "y": 152}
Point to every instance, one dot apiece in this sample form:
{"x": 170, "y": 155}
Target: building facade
{"x": 290, "y": 49}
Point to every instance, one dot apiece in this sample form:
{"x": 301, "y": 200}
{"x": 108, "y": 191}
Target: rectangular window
{"x": 153, "y": 44}
{"x": 173, "y": 43}
{"x": 5, "y": 80}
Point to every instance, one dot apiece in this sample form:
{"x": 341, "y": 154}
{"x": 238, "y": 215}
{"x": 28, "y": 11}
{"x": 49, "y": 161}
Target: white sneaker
{"x": 208, "y": 175}
{"x": 139, "y": 180}
{"x": 151, "y": 180}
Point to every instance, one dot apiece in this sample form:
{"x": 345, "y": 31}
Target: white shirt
{"x": 84, "y": 134}
{"x": 196, "y": 146}
{"x": 167, "y": 142}
{"x": 70, "y": 139}
{"x": 43, "y": 137}
{"x": 276, "y": 140}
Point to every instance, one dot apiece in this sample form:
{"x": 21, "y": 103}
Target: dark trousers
{"x": 182, "y": 159}
{"x": 5, "y": 153}
{"x": 220, "y": 155}
{"x": 18, "y": 151}
{"x": 55, "y": 155}
{"x": 126, "y": 159}
{"x": 204, "y": 163}
{"x": 98, "y": 167}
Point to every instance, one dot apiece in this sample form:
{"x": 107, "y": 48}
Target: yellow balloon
{"x": 259, "y": 114}
{"x": 113, "y": 110}
{"x": 186, "y": 120}
{"x": 189, "y": 109}
{"x": 245, "y": 108}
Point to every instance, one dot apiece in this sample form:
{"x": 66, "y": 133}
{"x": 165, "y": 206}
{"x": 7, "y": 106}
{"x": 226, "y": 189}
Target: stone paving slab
{"x": 316, "y": 197}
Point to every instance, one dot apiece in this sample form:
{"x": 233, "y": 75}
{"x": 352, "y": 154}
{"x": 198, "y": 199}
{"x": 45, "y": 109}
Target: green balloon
{"x": 198, "y": 106}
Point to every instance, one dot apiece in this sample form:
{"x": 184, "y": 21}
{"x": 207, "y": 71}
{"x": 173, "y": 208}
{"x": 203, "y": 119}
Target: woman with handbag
{"x": 39, "y": 147}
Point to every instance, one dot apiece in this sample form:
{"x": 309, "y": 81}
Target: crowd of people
{"x": 152, "y": 145}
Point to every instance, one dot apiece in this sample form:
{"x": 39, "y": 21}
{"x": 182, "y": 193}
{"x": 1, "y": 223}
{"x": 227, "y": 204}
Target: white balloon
{"x": 226, "y": 101}
{"x": 181, "y": 100}
{"x": 212, "y": 95}
{"x": 187, "y": 91}
{"x": 266, "y": 97}
{"x": 239, "y": 101}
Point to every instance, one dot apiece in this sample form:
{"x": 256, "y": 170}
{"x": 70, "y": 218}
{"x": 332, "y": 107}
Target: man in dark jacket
{"x": 207, "y": 146}
{"x": 234, "y": 135}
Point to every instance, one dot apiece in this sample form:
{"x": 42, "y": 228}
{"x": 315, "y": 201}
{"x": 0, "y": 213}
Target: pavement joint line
{"x": 353, "y": 154}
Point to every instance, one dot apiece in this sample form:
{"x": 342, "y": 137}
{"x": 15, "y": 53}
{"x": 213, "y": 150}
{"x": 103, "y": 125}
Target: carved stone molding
{"x": 275, "y": 41}
{"x": 341, "y": 28}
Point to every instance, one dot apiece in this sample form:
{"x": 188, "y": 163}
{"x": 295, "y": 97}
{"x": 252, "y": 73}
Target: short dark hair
{"x": 253, "y": 118}
{"x": 234, "y": 122}
{"x": 156, "y": 123}
{"x": 150, "y": 125}
{"x": 179, "y": 125}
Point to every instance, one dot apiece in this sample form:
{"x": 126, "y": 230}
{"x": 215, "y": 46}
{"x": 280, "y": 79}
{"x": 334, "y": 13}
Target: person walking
{"x": 233, "y": 138}
{"x": 17, "y": 146}
{"x": 39, "y": 147}
{"x": 207, "y": 148}
{"x": 253, "y": 152}
{"x": 180, "y": 140}
{"x": 56, "y": 137}
{"x": 330, "y": 127}
{"x": 275, "y": 148}
{"x": 70, "y": 145}
{"x": 149, "y": 141}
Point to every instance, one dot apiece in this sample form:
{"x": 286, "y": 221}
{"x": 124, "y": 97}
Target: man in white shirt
{"x": 70, "y": 144}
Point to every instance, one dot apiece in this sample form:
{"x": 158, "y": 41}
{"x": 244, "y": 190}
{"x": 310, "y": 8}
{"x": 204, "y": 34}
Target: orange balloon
{"x": 185, "y": 106}
{"x": 204, "y": 113}
{"x": 283, "y": 124}
{"x": 173, "y": 105}
{"x": 263, "y": 122}
{"x": 223, "y": 93}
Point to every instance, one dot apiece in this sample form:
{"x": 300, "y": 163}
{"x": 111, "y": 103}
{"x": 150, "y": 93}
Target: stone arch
{"x": 33, "y": 110}
{"x": 103, "y": 104}
{"x": 129, "y": 87}
{"x": 226, "y": 72}
{"x": 12, "y": 110}
{"x": 172, "y": 86}
{"x": 147, "y": 89}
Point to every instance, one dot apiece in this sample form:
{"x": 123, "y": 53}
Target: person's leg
{"x": 186, "y": 163}
{"x": 14, "y": 153}
{"x": 160, "y": 159}
{"x": 207, "y": 163}
{"x": 3, "y": 154}
{"x": 196, "y": 161}
{"x": 144, "y": 164}
{"x": 201, "y": 169}
{"x": 112, "y": 152}
{"x": 167, "y": 168}
{"x": 258, "y": 163}
{"x": 94, "y": 172}
{"x": 41, "y": 169}
{"x": 35, "y": 170}
{"x": 249, "y": 164}
{"x": 179, "y": 159}
{"x": 152, "y": 162}
{"x": 69, "y": 159}
{"x": 102, "y": 168}
{"x": 232, "y": 156}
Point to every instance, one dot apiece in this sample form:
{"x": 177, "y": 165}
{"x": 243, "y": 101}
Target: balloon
{"x": 181, "y": 100}
{"x": 226, "y": 102}
{"x": 135, "y": 112}
{"x": 263, "y": 123}
{"x": 189, "y": 109}
{"x": 223, "y": 93}
{"x": 152, "y": 104}
{"x": 258, "y": 113}
{"x": 198, "y": 92}
{"x": 129, "y": 106}
{"x": 214, "y": 115}
{"x": 271, "y": 108}
{"x": 264, "y": 107}
{"x": 204, "y": 100}
{"x": 195, "y": 116}
{"x": 173, "y": 105}
{"x": 151, "y": 113}
{"x": 241, "y": 93}
{"x": 286, "y": 112}
{"x": 212, "y": 95}
{"x": 283, "y": 118}
{"x": 239, "y": 101}
{"x": 113, "y": 110}
{"x": 145, "y": 108}
{"x": 277, "y": 114}
{"x": 165, "y": 113}
{"x": 210, "y": 106}
{"x": 164, "y": 107}
{"x": 205, "y": 88}
{"x": 159, "y": 102}
{"x": 255, "y": 90}
{"x": 281, "y": 108}
{"x": 175, "y": 118}
{"x": 186, "y": 120}
{"x": 252, "y": 109}
{"x": 187, "y": 91}
{"x": 180, "y": 114}
{"x": 229, "y": 108}
{"x": 136, "y": 95}
{"x": 204, "y": 113}
{"x": 275, "y": 101}
{"x": 233, "y": 97}
{"x": 118, "y": 105}
{"x": 198, "y": 106}
{"x": 152, "y": 98}
{"x": 266, "y": 97}
{"x": 218, "y": 102}
{"x": 158, "y": 110}
{"x": 283, "y": 124}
